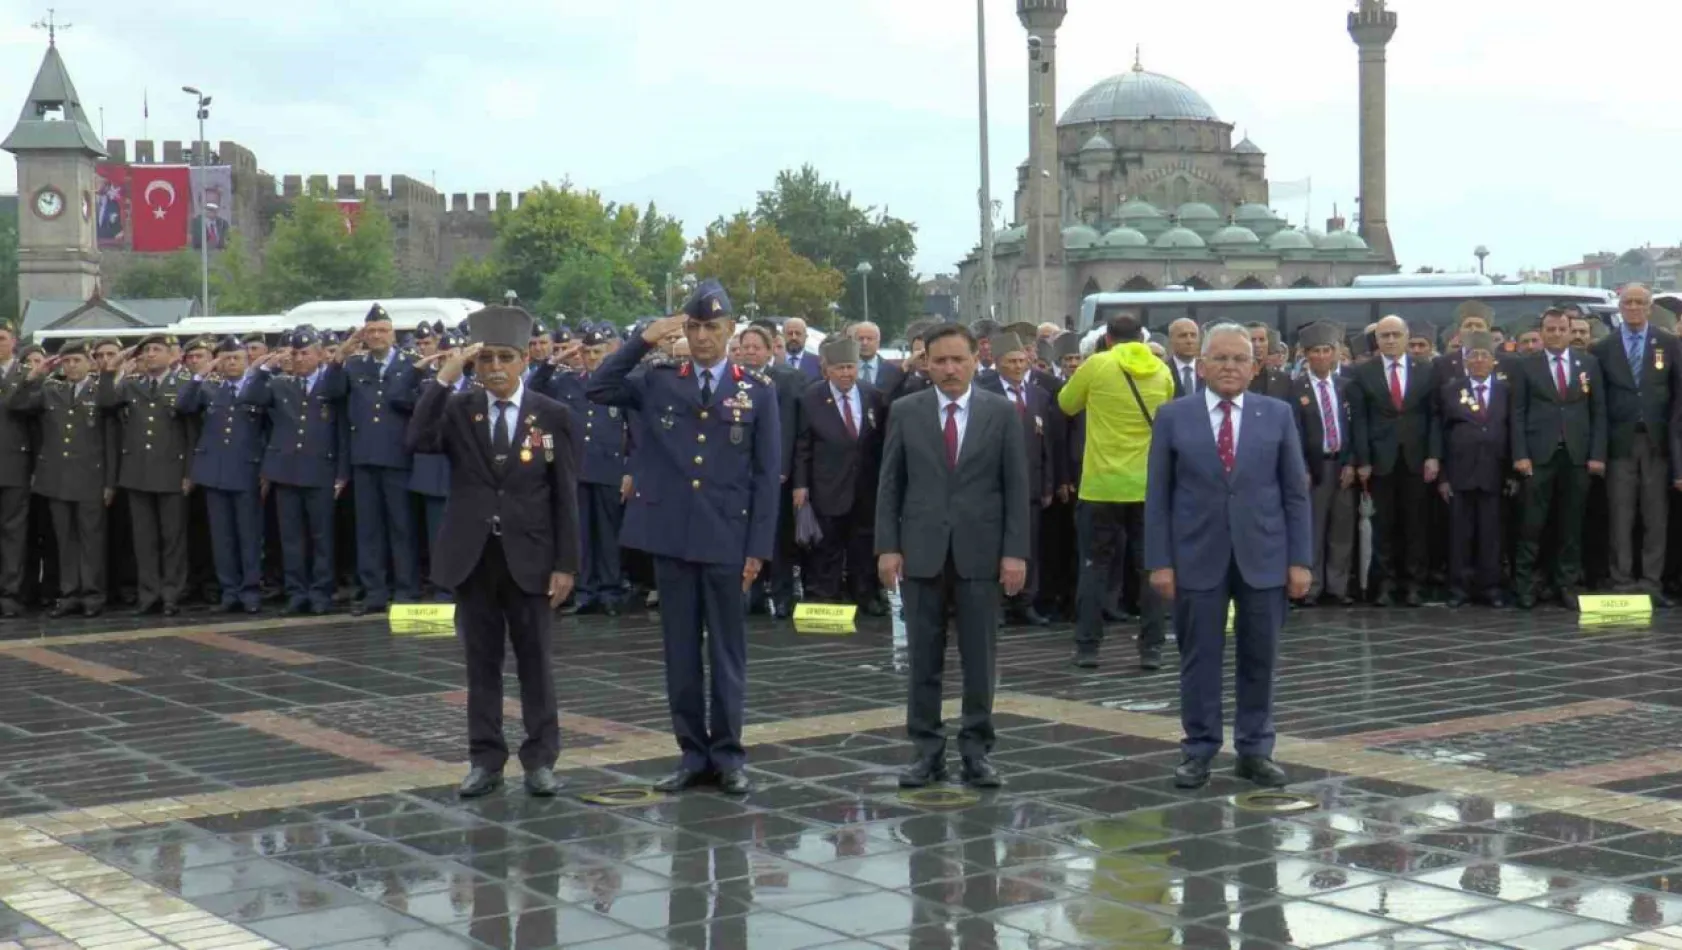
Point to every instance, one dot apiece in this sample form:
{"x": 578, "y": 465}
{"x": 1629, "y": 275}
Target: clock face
{"x": 49, "y": 203}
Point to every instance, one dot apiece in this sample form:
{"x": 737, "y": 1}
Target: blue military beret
{"x": 708, "y": 302}
{"x": 229, "y": 344}
{"x": 377, "y": 314}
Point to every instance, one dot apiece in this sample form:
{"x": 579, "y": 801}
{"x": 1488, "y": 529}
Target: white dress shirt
{"x": 717, "y": 369}
{"x": 513, "y": 411}
{"x": 1328, "y": 424}
{"x": 1215, "y": 416}
{"x": 962, "y": 418}
{"x": 850, "y": 406}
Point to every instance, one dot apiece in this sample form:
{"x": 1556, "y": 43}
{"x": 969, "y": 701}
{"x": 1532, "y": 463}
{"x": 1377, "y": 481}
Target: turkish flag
{"x": 160, "y": 200}
{"x": 350, "y": 208}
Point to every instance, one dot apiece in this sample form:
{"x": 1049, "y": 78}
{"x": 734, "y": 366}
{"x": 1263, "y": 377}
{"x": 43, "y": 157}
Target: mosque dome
{"x": 1137, "y": 94}
{"x": 1179, "y": 238}
{"x": 1199, "y": 217}
{"x": 1343, "y": 241}
{"x": 1098, "y": 143}
{"x": 1247, "y": 147}
{"x": 1252, "y": 212}
{"x": 1014, "y": 235}
{"x": 1290, "y": 240}
{"x": 1137, "y": 210}
{"x": 1124, "y": 237}
{"x": 1079, "y": 235}
{"x": 1235, "y": 235}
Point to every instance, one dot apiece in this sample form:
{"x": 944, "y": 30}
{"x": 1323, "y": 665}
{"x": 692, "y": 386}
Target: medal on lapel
{"x": 1658, "y": 357}
{"x": 1583, "y": 379}
{"x": 534, "y": 439}
{"x": 548, "y": 448}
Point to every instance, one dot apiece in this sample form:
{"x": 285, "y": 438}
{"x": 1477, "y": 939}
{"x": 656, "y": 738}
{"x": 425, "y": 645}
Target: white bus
{"x": 1430, "y": 297}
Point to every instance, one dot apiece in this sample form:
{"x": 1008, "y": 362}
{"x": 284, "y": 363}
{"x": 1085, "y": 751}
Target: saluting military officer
{"x": 382, "y": 393}
{"x": 604, "y": 482}
{"x": 76, "y": 473}
{"x": 429, "y": 480}
{"x": 705, "y": 506}
{"x": 16, "y": 461}
{"x": 225, "y": 467}
{"x": 306, "y": 462}
{"x": 152, "y": 469}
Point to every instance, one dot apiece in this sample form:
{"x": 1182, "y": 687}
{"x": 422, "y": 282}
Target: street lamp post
{"x": 864, "y": 270}
{"x": 986, "y": 195}
{"x": 1481, "y": 253}
{"x": 202, "y": 153}
{"x": 1038, "y": 174}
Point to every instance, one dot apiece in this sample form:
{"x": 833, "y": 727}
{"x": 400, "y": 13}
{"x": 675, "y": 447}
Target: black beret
{"x": 74, "y": 348}
{"x": 151, "y": 338}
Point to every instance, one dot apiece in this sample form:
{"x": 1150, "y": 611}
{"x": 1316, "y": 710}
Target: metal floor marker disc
{"x": 1275, "y": 802}
{"x": 624, "y": 795}
{"x": 939, "y": 797}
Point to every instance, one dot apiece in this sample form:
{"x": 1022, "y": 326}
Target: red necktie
{"x": 847, "y": 417}
{"x": 1021, "y": 407}
{"x": 1396, "y": 384}
{"x": 1223, "y": 442}
{"x": 1559, "y": 375}
{"x": 952, "y": 435}
{"x": 1329, "y": 415}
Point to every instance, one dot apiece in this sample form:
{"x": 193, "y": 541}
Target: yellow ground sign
{"x": 423, "y": 620}
{"x": 824, "y": 618}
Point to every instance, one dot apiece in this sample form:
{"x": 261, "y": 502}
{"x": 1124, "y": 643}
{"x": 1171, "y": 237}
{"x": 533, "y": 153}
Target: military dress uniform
{"x": 429, "y": 478}
{"x": 306, "y": 459}
{"x": 704, "y": 501}
{"x": 16, "y": 461}
{"x": 77, "y": 466}
{"x": 225, "y": 467}
{"x": 151, "y": 469}
{"x": 381, "y": 398}
{"x": 604, "y": 444}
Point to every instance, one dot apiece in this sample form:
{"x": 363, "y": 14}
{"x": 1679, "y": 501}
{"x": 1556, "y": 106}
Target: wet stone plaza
{"x": 1469, "y": 779}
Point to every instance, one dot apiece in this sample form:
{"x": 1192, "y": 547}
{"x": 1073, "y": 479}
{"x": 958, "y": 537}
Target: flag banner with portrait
{"x": 160, "y": 199}
{"x": 213, "y": 186}
{"x": 351, "y": 208}
{"x": 110, "y": 205}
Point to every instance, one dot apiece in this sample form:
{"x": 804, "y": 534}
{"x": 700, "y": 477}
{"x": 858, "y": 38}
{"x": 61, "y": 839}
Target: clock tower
{"x": 58, "y": 251}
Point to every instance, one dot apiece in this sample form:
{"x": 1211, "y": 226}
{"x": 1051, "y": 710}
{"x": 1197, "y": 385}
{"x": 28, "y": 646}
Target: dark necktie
{"x": 1186, "y": 384}
{"x": 500, "y": 437}
{"x": 1224, "y": 441}
{"x": 1483, "y": 403}
{"x": 951, "y": 433}
{"x": 1635, "y": 357}
{"x": 1021, "y": 407}
{"x": 847, "y": 417}
{"x": 706, "y": 387}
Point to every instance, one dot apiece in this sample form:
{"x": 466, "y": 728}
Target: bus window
{"x": 1158, "y": 318}
{"x": 1439, "y": 313}
{"x": 1355, "y": 314}
{"x": 1239, "y": 313}
{"x": 1510, "y": 310}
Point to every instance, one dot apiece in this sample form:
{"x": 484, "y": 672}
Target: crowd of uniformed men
{"x": 231, "y": 472}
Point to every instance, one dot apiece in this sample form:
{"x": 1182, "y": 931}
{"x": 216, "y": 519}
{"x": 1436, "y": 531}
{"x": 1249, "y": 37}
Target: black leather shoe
{"x": 1412, "y": 599}
{"x": 873, "y": 608}
{"x": 541, "y": 782}
{"x": 10, "y": 609}
{"x": 146, "y": 610}
{"x": 1497, "y": 602}
{"x": 923, "y": 773}
{"x": 979, "y": 773}
{"x": 1526, "y": 602}
{"x": 93, "y": 610}
{"x": 171, "y": 610}
{"x": 1192, "y": 773}
{"x": 1383, "y": 600}
{"x": 479, "y": 782}
{"x": 60, "y": 609}
{"x": 682, "y": 779}
{"x": 359, "y": 609}
{"x": 1346, "y": 601}
{"x": 610, "y": 608}
{"x": 1261, "y": 770}
{"x": 1029, "y": 617}
{"x": 1662, "y": 602}
{"x": 1085, "y": 659}
{"x": 295, "y": 609}
{"x": 1150, "y": 659}
{"x": 253, "y": 609}
{"x": 735, "y": 782}
{"x": 1456, "y": 600}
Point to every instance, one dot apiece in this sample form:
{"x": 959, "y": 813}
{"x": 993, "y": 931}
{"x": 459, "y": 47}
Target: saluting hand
{"x": 450, "y": 373}
{"x": 663, "y": 328}
{"x": 46, "y": 367}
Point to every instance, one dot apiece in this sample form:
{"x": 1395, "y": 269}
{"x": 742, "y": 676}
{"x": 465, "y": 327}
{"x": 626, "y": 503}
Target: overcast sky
{"x": 1540, "y": 137}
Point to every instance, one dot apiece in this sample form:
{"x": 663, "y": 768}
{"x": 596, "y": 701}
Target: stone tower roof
{"x": 52, "y": 118}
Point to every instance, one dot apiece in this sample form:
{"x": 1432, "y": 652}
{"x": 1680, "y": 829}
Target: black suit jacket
{"x": 1542, "y": 417}
{"x": 888, "y": 375}
{"x": 536, "y": 502}
{"x": 789, "y": 383}
{"x": 1179, "y": 384}
{"x": 1652, "y": 405}
{"x": 1043, "y": 435}
{"x": 1271, "y": 382}
{"x": 1475, "y": 440}
{"x": 1387, "y": 437}
{"x": 838, "y": 470}
{"x": 1306, "y": 406}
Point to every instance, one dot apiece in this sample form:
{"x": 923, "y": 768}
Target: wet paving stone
{"x": 1087, "y": 845}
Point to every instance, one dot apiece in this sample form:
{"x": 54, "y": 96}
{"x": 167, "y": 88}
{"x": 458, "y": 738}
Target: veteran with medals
{"x": 508, "y": 546}
{"x": 704, "y": 505}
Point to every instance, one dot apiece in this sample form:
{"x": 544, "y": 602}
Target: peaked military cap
{"x": 1477, "y": 340}
{"x": 708, "y": 302}
{"x": 74, "y": 348}
{"x": 1003, "y": 343}
{"x": 377, "y": 314}
{"x": 1066, "y": 345}
{"x": 1319, "y": 334}
{"x": 229, "y": 344}
{"x": 500, "y": 326}
{"x": 838, "y": 350}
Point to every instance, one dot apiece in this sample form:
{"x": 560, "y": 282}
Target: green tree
{"x": 744, "y": 253}
{"x": 156, "y": 276}
{"x": 235, "y": 285}
{"x": 823, "y": 224}
{"x": 311, "y": 255}
{"x": 10, "y": 307}
{"x": 477, "y": 278}
{"x": 658, "y": 256}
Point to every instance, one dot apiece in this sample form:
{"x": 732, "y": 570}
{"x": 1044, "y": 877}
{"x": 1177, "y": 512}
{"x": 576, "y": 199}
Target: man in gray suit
{"x": 952, "y": 528}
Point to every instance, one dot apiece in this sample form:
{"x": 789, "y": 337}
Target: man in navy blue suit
{"x": 794, "y": 349}
{"x": 1227, "y": 521}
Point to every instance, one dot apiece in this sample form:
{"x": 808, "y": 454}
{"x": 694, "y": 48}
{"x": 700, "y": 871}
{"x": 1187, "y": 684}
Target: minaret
{"x": 58, "y": 251}
{"x": 1044, "y": 245}
{"x": 1371, "y": 26}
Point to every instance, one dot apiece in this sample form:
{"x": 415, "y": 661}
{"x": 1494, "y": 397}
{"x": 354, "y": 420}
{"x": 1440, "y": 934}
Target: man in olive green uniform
{"x": 152, "y": 469}
{"x": 76, "y": 472}
{"x": 15, "y": 442}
